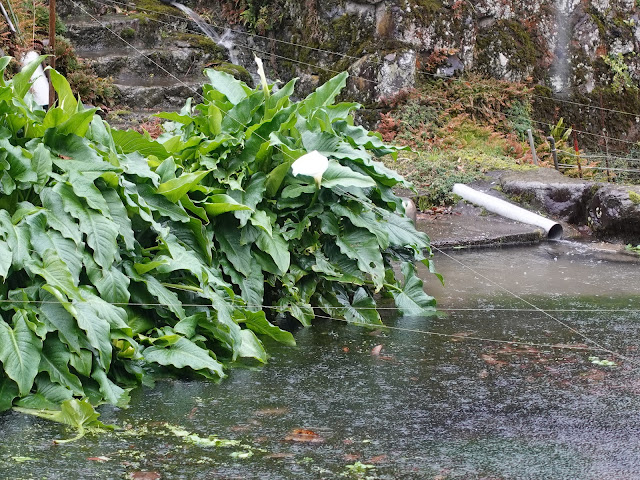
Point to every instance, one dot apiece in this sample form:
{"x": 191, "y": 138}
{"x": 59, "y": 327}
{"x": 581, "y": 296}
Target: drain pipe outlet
{"x": 40, "y": 84}
{"x": 508, "y": 210}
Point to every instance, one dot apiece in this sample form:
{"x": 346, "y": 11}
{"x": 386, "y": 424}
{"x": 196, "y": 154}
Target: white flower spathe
{"x": 261, "y": 74}
{"x": 313, "y": 164}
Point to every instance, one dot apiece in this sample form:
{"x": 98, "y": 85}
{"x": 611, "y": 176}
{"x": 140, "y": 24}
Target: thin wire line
{"x": 345, "y": 55}
{"x": 468, "y": 337}
{"x": 585, "y": 167}
{"x": 386, "y": 213}
{"x": 564, "y": 324}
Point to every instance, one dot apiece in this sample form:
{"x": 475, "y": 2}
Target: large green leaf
{"x": 113, "y": 285}
{"x": 54, "y": 360}
{"x": 112, "y": 393}
{"x": 78, "y": 414}
{"x": 8, "y": 392}
{"x": 120, "y": 216}
{"x": 362, "y": 246}
{"x": 21, "y": 81}
{"x": 258, "y": 323}
{"x": 226, "y": 84}
{"x": 41, "y": 163}
{"x": 325, "y": 94}
{"x": 164, "y": 296}
{"x": 66, "y": 99}
{"x": 239, "y": 255}
{"x": 6, "y": 257}
{"x": 220, "y": 203}
{"x": 101, "y": 232}
{"x": 276, "y": 247}
{"x": 251, "y": 347}
{"x": 59, "y": 319}
{"x": 55, "y": 272}
{"x": 20, "y": 352}
{"x": 184, "y": 353}
{"x": 175, "y": 188}
{"x": 96, "y": 328}
{"x": 402, "y": 232}
{"x": 361, "y": 310}
{"x": 130, "y": 141}
{"x": 46, "y": 239}
{"x": 338, "y": 176}
{"x": 412, "y": 299}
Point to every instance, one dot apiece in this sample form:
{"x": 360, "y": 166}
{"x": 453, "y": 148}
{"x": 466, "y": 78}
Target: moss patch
{"x": 512, "y": 39}
{"x": 634, "y": 197}
{"x": 205, "y": 44}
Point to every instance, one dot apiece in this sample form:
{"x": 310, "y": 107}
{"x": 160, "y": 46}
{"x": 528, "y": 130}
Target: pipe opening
{"x": 555, "y": 232}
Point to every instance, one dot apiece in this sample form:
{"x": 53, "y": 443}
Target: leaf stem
{"x": 187, "y": 288}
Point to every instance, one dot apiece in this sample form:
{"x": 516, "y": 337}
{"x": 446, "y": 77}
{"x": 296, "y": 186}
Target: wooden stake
{"x": 575, "y": 147}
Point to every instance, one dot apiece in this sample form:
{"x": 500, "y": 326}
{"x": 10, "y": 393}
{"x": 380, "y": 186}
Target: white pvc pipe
{"x": 39, "y": 83}
{"x": 495, "y": 205}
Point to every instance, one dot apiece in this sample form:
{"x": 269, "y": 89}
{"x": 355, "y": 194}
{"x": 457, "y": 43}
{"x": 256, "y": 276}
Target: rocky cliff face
{"x": 570, "y": 46}
{"x": 582, "y": 50}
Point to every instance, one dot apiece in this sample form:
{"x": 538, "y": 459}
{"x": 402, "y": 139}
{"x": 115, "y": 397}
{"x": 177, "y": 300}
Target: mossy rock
{"x": 425, "y": 10}
{"x": 154, "y": 8}
{"x": 203, "y": 43}
{"x": 240, "y": 73}
{"x": 511, "y": 39}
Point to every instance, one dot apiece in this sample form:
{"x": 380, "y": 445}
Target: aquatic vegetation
{"x": 122, "y": 256}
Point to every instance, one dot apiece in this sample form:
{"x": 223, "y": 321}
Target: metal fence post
{"x": 554, "y": 152}
{"x": 533, "y": 147}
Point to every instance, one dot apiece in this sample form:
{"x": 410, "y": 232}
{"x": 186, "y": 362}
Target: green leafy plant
{"x": 620, "y": 70}
{"x": 122, "y": 255}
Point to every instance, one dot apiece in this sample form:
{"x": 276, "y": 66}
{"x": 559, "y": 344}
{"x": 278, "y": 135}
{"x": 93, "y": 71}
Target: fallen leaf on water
{"x": 378, "y": 459}
{"x": 375, "y": 351}
{"x": 345, "y": 349}
{"x": 144, "y": 475}
{"x": 99, "y": 459}
{"x": 303, "y": 436}
{"x": 350, "y": 457}
{"x": 492, "y": 360}
{"x": 483, "y": 374}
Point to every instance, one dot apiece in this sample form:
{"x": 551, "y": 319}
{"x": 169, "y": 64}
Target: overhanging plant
{"x": 121, "y": 255}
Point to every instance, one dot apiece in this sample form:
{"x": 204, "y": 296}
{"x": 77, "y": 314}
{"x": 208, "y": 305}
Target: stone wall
{"x": 571, "y": 46}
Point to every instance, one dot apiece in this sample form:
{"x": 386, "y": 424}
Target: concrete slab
{"x": 460, "y": 229}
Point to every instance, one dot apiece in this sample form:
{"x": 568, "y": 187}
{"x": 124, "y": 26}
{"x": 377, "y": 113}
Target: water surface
{"x": 426, "y": 407}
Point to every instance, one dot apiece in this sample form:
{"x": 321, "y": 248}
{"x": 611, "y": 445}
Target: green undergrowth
{"x": 124, "y": 257}
{"x": 434, "y": 173}
{"x": 459, "y": 129}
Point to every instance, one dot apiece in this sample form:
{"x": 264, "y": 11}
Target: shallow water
{"x": 426, "y": 407}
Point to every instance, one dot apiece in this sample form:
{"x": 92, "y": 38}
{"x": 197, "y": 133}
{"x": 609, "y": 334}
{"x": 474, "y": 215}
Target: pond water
{"x": 422, "y": 406}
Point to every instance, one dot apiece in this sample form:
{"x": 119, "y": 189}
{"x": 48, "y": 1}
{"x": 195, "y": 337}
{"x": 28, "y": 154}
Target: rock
{"x": 614, "y": 211}
{"x": 611, "y": 211}
{"x": 563, "y": 197}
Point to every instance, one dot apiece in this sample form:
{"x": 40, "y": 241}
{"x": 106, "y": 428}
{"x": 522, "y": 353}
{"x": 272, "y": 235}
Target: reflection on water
{"x": 425, "y": 407}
